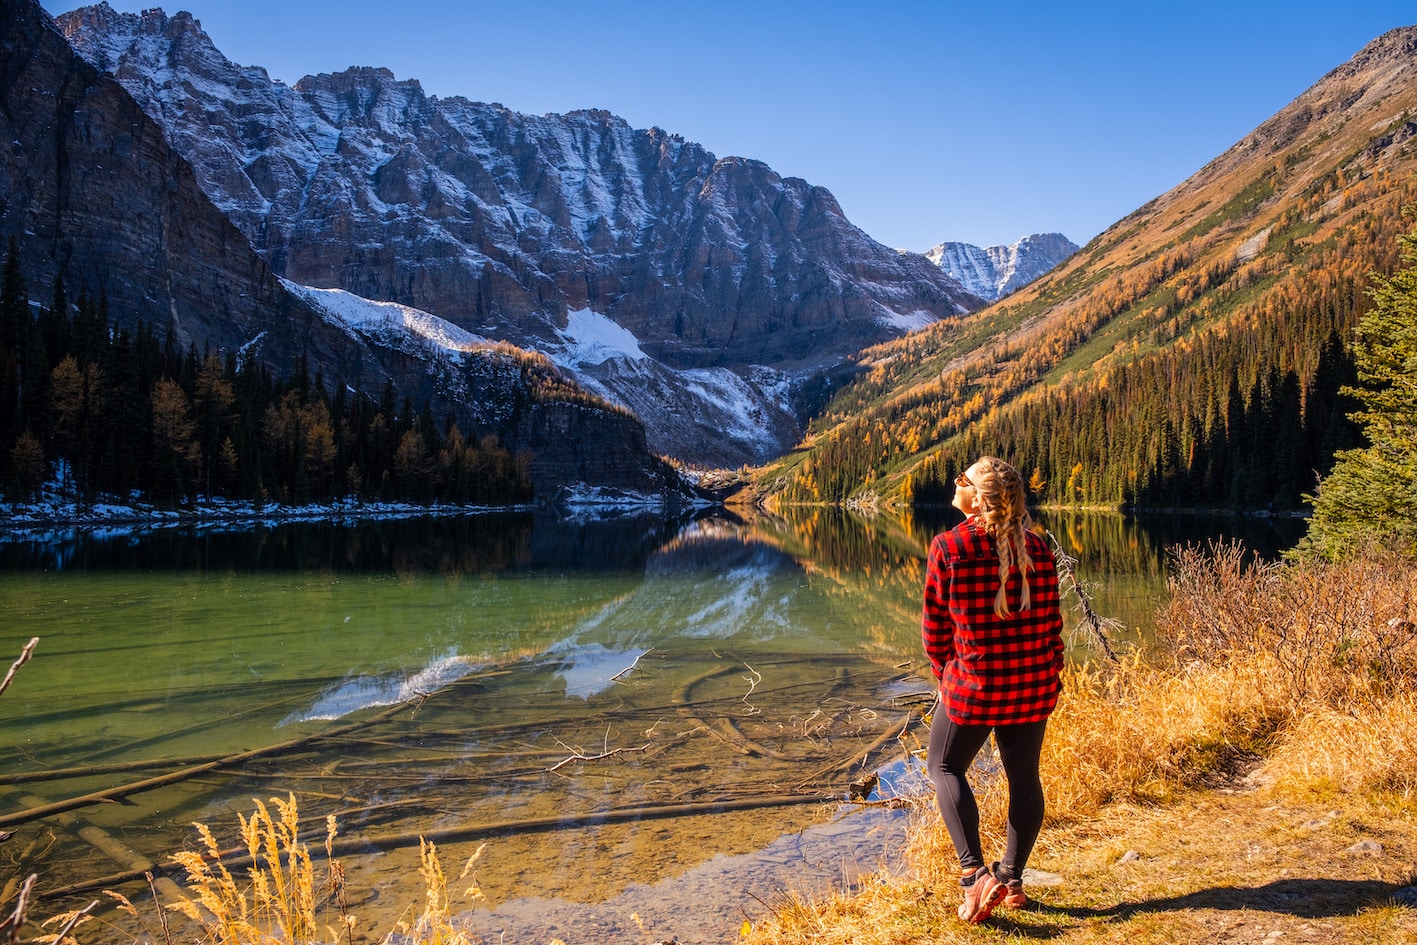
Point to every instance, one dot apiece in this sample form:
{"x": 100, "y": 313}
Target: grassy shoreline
{"x": 1252, "y": 779}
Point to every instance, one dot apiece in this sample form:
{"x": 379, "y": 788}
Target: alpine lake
{"x": 651, "y": 728}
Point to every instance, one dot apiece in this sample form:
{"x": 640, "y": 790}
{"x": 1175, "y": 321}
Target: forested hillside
{"x": 116, "y": 411}
{"x": 1192, "y": 355}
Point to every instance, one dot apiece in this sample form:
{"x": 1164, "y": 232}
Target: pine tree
{"x": 1371, "y": 493}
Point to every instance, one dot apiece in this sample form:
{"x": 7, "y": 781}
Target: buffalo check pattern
{"x": 992, "y": 670}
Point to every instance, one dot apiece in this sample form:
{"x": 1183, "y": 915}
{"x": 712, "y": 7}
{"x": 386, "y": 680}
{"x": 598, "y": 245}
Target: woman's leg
{"x": 1019, "y": 749}
{"x": 952, "y": 749}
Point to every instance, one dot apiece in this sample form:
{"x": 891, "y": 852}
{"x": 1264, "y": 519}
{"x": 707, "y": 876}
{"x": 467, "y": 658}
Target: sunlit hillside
{"x": 1191, "y": 355}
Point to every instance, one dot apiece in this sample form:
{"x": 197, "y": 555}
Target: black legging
{"x": 952, "y": 750}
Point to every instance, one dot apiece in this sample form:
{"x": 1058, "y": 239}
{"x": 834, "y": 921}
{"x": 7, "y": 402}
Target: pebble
{"x": 1366, "y": 848}
{"x": 1131, "y": 856}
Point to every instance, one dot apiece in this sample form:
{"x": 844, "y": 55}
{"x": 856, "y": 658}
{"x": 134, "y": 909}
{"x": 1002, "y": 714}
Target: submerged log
{"x": 357, "y": 845}
{"x": 173, "y": 777}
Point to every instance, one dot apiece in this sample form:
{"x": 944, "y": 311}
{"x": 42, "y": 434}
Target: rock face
{"x": 93, "y": 192}
{"x": 995, "y": 272}
{"x": 504, "y": 224}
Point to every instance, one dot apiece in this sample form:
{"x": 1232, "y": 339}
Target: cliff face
{"x": 94, "y": 193}
{"x": 505, "y": 224}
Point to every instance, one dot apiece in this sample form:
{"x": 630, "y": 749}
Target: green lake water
{"x": 636, "y": 716}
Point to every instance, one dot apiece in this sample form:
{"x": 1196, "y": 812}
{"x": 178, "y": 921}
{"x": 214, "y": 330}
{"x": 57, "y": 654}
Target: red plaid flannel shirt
{"x": 992, "y": 670}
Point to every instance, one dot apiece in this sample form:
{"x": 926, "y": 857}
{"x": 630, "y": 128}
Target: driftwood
{"x": 681, "y": 693}
{"x": 120, "y": 853}
{"x": 732, "y": 733}
{"x": 61, "y": 774}
{"x": 173, "y": 777}
{"x": 871, "y": 749}
{"x": 25, "y": 655}
{"x": 357, "y": 845}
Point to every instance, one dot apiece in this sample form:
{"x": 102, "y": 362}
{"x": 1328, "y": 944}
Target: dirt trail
{"x": 1233, "y": 866}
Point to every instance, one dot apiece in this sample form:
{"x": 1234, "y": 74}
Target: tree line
{"x": 112, "y": 412}
{"x": 1198, "y": 379}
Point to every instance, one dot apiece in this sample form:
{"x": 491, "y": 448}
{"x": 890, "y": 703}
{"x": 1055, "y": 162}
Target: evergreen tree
{"x": 1371, "y": 493}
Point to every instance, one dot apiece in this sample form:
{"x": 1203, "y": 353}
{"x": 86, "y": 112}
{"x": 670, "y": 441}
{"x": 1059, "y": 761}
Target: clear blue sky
{"x": 929, "y": 121}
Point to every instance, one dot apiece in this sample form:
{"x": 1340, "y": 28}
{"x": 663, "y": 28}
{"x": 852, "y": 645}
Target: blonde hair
{"x": 1002, "y": 509}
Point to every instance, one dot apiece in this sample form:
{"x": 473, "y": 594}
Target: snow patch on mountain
{"x": 591, "y": 338}
{"x": 907, "y": 321}
{"x": 387, "y": 322}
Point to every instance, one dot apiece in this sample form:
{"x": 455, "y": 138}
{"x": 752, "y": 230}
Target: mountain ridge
{"x": 93, "y": 193}
{"x": 503, "y": 223}
{"x": 1151, "y": 365}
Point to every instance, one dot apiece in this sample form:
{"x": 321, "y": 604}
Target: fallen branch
{"x": 362, "y": 845}
{"x": 732, "y": 733}
{"x": 74, "y": 919}
{"x": 60, "y": 774}
{"x": 1096, "y": 625}
{"x": 172, "y": 777}
{"x": 886, "y": 736}
{"x": 607, "y": 753}
{"x": 603, "y": 755}
{"x": 15, "y": 667}
{"x": 22, "y": 905}
{"x": 627, "y": 669}
{"x": 681, "y": 693}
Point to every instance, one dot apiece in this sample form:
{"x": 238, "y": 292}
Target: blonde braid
{"x": 1004, "y": 512}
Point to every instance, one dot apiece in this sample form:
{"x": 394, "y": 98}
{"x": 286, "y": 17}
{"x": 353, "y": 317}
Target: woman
{"x": 993, "y": 633}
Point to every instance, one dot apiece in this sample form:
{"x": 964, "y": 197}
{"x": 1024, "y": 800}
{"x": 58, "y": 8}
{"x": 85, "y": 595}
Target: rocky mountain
{"x": 92, "y": 191}
{"x": 995, "y": 272}
{"x": 1192, "y": 355}
{"x": 728, "y": 288}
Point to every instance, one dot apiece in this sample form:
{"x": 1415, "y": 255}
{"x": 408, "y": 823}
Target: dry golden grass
{"x": 273, "y": 897}
{"x": 1210, "y": 790}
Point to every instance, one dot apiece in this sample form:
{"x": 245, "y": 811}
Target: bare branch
{"x": 1097, "y": 625}
{"x": 24, "y": 658}
{"x": 73, "y": 921}
{"x": 627, "y": 669}
{"x": 752, "y": 681}
{"x": 22, "y": 905}
{"x": 603, "y": 755}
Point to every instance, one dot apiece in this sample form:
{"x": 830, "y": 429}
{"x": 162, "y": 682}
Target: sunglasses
{"x": 963, "y": 480}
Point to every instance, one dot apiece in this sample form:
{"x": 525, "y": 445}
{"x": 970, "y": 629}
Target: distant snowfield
{"x": 591, "y": 338}
{"x": 388, "y": 321}
{"x": 906, "y": 321}
{"x": 606, "y": 358}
